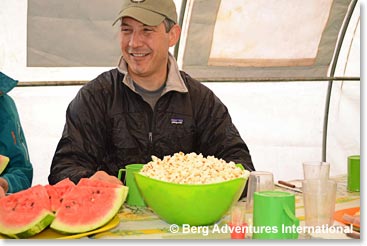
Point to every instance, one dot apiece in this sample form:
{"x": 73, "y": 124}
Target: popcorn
{"x": 192, "y": 168}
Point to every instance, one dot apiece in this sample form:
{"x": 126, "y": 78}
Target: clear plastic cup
{"x": 316, "y": 170}
{"x": 319, "y": 198}
{"x": 258, "y": 181}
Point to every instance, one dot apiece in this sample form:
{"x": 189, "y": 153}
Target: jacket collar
{"x": 174, "y": 80}
{"x": 6, "y": 84}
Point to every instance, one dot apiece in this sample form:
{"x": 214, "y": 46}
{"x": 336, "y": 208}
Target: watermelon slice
{"x": 25, "y": 213}
{"x": 97, "y": 183}
{"x": 88, "y": 207}
{"x": 57, "y": 191}
{"x": 4, "y": 160}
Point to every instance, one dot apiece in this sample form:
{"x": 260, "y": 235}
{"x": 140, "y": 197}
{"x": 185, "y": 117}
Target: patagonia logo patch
{"x": 177, "y": 121}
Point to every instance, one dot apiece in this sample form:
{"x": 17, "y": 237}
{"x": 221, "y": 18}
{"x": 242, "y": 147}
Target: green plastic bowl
{"x": 193, "y": 204}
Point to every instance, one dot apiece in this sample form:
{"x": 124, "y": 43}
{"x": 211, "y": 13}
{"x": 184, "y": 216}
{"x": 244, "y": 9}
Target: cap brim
{"x": 147, "y": 17}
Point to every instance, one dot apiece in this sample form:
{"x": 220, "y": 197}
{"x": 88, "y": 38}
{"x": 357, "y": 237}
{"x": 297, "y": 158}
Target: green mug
{"x": 353, "y": 183}
{"x": 134, "y": 198}
{"x": 274, "y": 215}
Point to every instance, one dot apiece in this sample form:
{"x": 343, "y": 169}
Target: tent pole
{"x": 231, "y": 80}
{"x": 180, "y": 22}
{"x": 332, "y": 72}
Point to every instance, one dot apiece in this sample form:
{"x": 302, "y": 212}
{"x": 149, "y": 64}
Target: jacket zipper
{"x": 150, "y": 133}
{"x": 151, "y": 123}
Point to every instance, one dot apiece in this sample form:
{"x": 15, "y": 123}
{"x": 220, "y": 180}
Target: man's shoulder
{"x": 105, "y": 80}
{"x": 98, "y": 90}
{"x": 108, "y": 77}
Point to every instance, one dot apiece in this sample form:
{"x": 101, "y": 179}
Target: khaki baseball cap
{"x": 149, "y": 12}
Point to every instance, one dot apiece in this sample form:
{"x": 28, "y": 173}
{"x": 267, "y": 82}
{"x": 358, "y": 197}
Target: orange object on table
{"x": 348, "y": 217}
{"x": 238, "y": 231}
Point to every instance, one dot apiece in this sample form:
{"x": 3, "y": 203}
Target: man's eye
{"x": 125, "y": 29}
{"x": 148, "y": 30}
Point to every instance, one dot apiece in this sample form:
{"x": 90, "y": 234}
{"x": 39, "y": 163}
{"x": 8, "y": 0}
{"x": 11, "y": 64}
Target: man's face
{"x": 145, "y": 48}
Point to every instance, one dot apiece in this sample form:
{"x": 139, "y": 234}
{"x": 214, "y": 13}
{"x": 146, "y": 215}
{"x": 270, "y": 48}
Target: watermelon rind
{"x": 25, "y": 213}
{"x": 39, "y": 224}
{"x": 4, "y": 160}
{"x": 66, "y": 227}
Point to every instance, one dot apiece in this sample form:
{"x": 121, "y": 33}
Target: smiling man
{"x": 146, "y": 106}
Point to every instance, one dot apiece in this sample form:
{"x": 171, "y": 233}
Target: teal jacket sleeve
{"x": 19, "y": 172}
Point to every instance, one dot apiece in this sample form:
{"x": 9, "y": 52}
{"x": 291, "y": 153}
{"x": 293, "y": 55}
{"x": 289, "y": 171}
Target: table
{"x": 142, "y": 223}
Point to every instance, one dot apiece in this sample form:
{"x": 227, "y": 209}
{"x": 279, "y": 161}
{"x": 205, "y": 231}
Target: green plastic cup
{"x": 353, "y": 183}
{"x": 274, "y": 215}
{"x": 134, "y": 198}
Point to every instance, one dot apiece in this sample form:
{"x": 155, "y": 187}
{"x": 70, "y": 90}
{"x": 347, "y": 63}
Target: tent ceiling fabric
{"x": 72, "y": 33}
{"x": 234, "y": 39}
{"x": 260, "y": 38}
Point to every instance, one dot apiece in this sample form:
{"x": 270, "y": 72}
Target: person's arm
{"x": 80, "y": 150}
{"x": 19, "y": 172}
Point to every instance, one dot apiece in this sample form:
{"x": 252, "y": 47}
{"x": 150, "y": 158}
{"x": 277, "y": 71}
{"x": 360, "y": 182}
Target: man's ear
{"x": 174, "y": 33}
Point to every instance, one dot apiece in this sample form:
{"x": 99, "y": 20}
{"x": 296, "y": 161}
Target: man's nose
{"x": 135, "y": 39}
